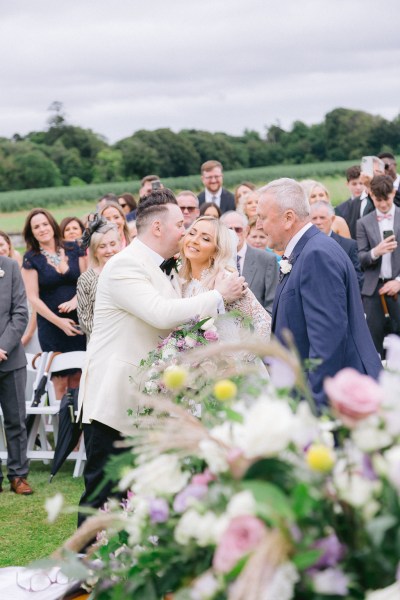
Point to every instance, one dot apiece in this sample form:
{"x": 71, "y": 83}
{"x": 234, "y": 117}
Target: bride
{"x": 206, "y": 252}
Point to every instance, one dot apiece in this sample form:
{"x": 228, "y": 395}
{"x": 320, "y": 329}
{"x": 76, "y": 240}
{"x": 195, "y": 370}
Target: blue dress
{"x": 54, "y": 289}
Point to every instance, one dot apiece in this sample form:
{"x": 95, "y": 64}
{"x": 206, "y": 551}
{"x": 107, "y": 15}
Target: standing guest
{"x": 242, "y": 190}
{"x": 259, "y": 268}
{"x": 212, "y": 178}
{"x": 72, "y": 229}
{"x": 113, "y": 213}
{"x": 209, "y": 209}
{"x": 317, "y": 192}
{"x": 318, "y": 299}
{"x": 188, "y": 202}
{"x": 104, "y": 199}
{"x": 146, "y": 185}
{"x": 137, "y": 302}
{"x": 389, "y": 161}
{"x": 50, "y": 270}
{"x": 256, "y": 238}
{"x": 7, "y": 249}
{"x": 379, "y": 252}
{"x": 129, "y": 205}
{"x": 359, "y": 204}
{"x": 322, "y": 216}
{"x": 132, "y": 229}
{"x": 102, "y": 239}
{"x": 13, "y": 321}
{"x": 249, "y": 204}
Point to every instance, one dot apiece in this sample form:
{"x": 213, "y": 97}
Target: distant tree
{"x": 108, "y": 166}
{"x": 58, "y": 117}
{"x": 32, "y": 170}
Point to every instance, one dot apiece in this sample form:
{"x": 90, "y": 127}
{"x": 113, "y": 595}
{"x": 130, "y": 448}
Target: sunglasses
{"x": 237, "y": 229}
{"x": 188, "y": 208}
{"x": 122, "y": 205}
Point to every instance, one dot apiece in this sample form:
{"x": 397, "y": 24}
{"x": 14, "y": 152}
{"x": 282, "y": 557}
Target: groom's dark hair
{"x": 154, "y": 205}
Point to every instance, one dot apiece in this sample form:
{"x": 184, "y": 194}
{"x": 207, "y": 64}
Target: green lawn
{"x": 13, "y": 222}
{"x": 25, "y": 533}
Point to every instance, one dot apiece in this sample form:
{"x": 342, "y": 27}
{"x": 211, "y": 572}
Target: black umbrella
{"x": 390, "y": 325}
{"x": 69, "y": 431}
{"x": 39, "y": 391}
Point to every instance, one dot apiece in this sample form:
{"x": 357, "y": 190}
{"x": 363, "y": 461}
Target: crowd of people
{"x": 256, "y": 251}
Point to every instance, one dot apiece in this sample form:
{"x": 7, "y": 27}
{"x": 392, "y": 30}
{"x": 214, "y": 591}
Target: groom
{"x": 137, "y": 304}
{"x": 318, "y": 298}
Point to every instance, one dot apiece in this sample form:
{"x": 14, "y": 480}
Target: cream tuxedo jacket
{"x": 136, "y": 305}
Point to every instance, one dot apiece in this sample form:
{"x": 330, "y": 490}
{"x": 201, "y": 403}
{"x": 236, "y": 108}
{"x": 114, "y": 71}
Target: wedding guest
{"x": 242, "y": 190}
{"x": 104, "y": 199}
{"x": 212, "y": 178}
{"x": 249, "y": 204}
{"x": 188, "y": 202}
{"x": 103, "y": 241}
{"x": 13, "y": 321}
{"x": 146, "y": 185}
{"x": 316, "y": 191}
{"x": 129, "y": 205}
{"x": 7, "y": 249}
{"x": 132, "y": 229}
{"x": 114, "y": 214}
{"x": 318, "y": 298}
{"x": 50, "y": 270}
{"x": 256, "y": 238}
{"x": 389, "y": 161}
{"x": 71, "y": 228}
{"x": 209, "y": 209}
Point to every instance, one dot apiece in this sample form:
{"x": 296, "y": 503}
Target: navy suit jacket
{"x": 351, "y": 249}
{"x": 319, "y": 301}
{"x": 227, "y": 200}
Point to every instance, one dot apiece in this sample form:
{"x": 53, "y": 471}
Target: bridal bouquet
{"x": 260, "y": 499}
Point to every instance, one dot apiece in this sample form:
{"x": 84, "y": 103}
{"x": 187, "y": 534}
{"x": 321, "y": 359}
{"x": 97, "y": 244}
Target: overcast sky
{"x": 218, "y": 65}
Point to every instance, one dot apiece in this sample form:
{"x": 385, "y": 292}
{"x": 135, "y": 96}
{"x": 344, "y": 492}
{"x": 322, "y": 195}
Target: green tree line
{"x": 68, "y": 155}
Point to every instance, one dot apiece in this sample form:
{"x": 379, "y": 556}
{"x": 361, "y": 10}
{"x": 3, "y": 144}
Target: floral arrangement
{"x": 261, "y": 499}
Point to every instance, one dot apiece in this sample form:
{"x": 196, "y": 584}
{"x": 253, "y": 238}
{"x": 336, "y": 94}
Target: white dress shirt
{"x": 290, "y": 247}
{"x": 214, "y": 197}
{"x": 241, "y": 255}
{"x": 384, "y": 225}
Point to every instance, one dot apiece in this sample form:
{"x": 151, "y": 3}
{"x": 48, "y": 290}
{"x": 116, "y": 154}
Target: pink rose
{"x": 353, "y": 396}
{"x": 203, "y": 478}
{"x": 242, "y": 536}
{"x": 211, "y": 336}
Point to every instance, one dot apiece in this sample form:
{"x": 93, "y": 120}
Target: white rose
{"x": 355, "y": 489}
{"x": 326, "y": 582}
{"x": 209, "y": 325}
{"x": 392, "y": 345}
{"x": 241, "y": 504}
{"x": 204, "y": 587}
{"x": 160, "y": 476}
{"x": 268, "y": 428}
{"x": 214, "y": 455}
{"x": 190, "y": 342}
{"x": 285, "y": 266}
{"x": 392, "y": 458}
{"x": 306, "y": 428}
{"x": 53, "y": 507}
{"x": 368, "y": 437}
{"x": 228, "y": 433}
{"x": 283, "y": 581}
{"x": 198, "y": 527}
{"x": 389, "y": 593}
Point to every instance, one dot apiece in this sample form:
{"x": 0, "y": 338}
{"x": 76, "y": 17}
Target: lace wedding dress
{"x": 242, "y": 316}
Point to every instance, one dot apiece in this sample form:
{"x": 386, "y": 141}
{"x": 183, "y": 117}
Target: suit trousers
{"x": 12, "y": 402}
{"x": 376, "y": 318}
{"x": 99, "y": 444}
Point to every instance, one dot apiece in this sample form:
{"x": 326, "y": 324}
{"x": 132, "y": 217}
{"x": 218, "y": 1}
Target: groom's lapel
{"x": 293, "y": 257}
{"x": 149, "y": 266}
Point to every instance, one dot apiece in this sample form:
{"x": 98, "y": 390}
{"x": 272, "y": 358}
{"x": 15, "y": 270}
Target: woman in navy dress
{"x": 50, "y": 271}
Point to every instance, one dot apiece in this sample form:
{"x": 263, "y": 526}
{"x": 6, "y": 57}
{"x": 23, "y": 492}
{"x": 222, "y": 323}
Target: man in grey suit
{"x": 213, "y": 178}
{"x": 13, "y": 322}
{"x": 258, "y": 267}
{"x": 379, "y": 253}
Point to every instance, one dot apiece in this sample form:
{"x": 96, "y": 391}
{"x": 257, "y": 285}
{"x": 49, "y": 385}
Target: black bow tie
{"x": 168, "y": 265}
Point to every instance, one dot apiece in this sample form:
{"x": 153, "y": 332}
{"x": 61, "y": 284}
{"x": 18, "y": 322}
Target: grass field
{"x": 12, "y": 222}
{"x": 25, "y": 533}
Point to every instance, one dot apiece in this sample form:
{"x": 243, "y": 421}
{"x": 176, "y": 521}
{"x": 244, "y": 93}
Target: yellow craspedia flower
{"x": 225, "y": 389}
{"x": 320, "y": 458}
{"x": 175, "y": 377}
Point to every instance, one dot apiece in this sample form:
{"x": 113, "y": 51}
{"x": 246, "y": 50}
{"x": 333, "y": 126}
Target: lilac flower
{"x": 191, "y": 492}
{"x": 367, "y": 468}
{"x": 332, "y": 552}
{"x": 281, "y": 374}
{"x": 158, "y": 510}
{"x": 330, "y": 581}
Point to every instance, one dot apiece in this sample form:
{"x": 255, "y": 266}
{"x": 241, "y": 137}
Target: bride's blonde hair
{"x": 222, "y": 259}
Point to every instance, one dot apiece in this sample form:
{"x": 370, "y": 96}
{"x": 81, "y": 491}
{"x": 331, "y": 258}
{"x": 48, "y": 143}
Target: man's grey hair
{"x": 234, "y": 212}
{"x": 288, "y": 194}
{"x": 188, "y": 193}
{"x": 322, "y": 204}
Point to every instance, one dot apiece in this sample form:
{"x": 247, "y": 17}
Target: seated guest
{"x": 259, "y": 268}
{"x": 379, "y": 253}
{"x": 317, "y": 191}
{"x": 242, "y": 190}
{"x": 113, "y": 213}
{"x": 128, "y": 204}
{"x": 209, "y": 209}
{"x": 322, "y": 216}
{"x": 212, "y": 178}
{"x": 188, "y": 202}
{"x": 102, "y": 239}
{"x": 256, "y": 238}
{"x": 72, "y": 229}
{"x": 7, "y": 249}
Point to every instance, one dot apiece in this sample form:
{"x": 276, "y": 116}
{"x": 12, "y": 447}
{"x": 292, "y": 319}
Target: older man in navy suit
{"x": 317, "y": 299}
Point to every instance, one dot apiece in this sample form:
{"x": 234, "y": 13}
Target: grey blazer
{"x": 368, "y": 236}
{"x": 13, "y": 314}
{"x": 261, "y": 272}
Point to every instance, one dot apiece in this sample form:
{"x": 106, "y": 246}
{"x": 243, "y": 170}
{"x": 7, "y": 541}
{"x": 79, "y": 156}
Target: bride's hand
{"x": 231, "y": 288}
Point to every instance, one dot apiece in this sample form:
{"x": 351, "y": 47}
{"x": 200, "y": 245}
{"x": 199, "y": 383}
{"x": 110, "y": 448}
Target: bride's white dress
{"x": 241, "y": 315}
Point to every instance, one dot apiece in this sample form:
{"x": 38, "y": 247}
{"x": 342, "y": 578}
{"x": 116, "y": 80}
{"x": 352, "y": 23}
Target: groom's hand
{"x": 231, "y": 288}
